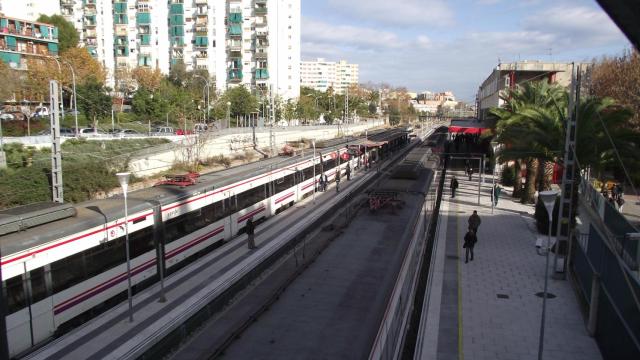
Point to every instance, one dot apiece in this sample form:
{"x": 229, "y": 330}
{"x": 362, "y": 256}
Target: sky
{"x": 442, "y": 45}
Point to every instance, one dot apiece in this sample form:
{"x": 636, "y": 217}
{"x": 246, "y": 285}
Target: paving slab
{"x": 492, "y": 312}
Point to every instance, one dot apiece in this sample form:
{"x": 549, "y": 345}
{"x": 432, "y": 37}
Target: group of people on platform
{"x": 464, "y": 142}
{"x": 615, "y": 195}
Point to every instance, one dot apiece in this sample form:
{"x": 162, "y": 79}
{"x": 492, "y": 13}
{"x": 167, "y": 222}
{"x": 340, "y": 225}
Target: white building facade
{"x": 255, "y": 43}
{"x": 321, "y": 75}
{"x": 29, "y": 9}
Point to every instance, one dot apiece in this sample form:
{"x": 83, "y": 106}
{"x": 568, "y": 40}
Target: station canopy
{"x": 466, "y": 130}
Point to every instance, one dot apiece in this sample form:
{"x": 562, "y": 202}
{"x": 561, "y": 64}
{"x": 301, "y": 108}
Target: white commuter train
{"x": 58, "y": 274}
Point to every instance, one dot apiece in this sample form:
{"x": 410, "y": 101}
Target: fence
{"x": 613, "y": 298}
{"x": 604, "y": 263}
{"x": 615, "y": 225}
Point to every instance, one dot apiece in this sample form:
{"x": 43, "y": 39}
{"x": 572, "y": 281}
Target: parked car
{"x": 162, "y": 131}
{"x": 183, "y": 132}
{"x": 41, "y": 112}
{"x": 91, "y": 132}
{"x": 200, "y": 127}
{"x": 13, "y": 115}
{"x": 64, "y": 132}
{"x": 128, "y": 133}
{"x": 7, "y": 117}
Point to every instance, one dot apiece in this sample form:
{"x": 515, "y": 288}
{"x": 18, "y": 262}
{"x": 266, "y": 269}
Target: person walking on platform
{"x": 474, "y": 222}
{"x": 496, "y": 194}
{"x": 321, "y": 185}
{"x": 469, "y": 172}
{"x": 338, "y": 180}
{"x": 453, "y": 186}
{"x": 251, "y": 228}
{"x": 348, "y": 172}
{"x": 325, "y": 183}
{"x": 470, "y": 239}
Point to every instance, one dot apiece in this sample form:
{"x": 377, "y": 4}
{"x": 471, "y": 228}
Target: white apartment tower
{"x": 29, "y": 9}
{"x": 321, "y": 75}
{"x": 255, "y": 43}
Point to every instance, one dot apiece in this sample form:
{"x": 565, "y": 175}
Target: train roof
{"x": 98, "y": 212}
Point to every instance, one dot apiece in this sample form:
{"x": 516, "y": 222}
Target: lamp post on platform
{"x": 549, "y": 200}
{"x": 123, "y": 179}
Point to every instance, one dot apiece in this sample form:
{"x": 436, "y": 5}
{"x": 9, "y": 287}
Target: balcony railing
{"x": 260, "y": 10}
{"x": 26, "y": 32}
{"x": 235, "y": 75}
{"x": 261, "y": 54}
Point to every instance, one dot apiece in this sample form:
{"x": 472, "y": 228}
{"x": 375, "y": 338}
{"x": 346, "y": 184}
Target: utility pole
{"x": 56, "y": 158}
{"x": 563, "y": 234}
{"x": 346, "y": 106}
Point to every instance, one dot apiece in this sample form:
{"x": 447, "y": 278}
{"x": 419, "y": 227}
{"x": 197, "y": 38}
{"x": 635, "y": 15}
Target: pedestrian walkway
{"x": 488, "y": 308}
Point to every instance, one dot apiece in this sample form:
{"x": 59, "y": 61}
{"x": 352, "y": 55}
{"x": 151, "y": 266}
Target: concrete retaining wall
{"x": 231, "y": 142}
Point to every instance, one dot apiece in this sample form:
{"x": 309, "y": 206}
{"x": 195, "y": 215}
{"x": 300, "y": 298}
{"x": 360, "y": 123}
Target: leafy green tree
{"x": 67, "y": 35}
{"x": 9, "y": 79}
{"x": 289, "y": 110}
{"x": 242, "y": 101}
{"x": 94, "y": 101}
{"x": 148, "y": 105}
{"x": 178, "y": 75}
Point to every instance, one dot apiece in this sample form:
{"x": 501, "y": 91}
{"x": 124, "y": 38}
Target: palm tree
{"x": 530, "y": 126}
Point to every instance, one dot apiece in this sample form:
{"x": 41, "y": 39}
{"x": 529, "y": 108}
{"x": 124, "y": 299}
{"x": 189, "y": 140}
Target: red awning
{"x": 465, "y": 130}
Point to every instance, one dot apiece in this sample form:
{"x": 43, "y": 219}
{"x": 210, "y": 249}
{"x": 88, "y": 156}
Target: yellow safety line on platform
{"x": 459, "y": 275}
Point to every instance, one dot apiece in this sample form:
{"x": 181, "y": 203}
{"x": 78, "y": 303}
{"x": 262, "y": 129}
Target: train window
{"x": 308, "y": 173}
{"x": 67, "y": 272}
{"x": 14, "y": 294}
{"x": 139, "y": 220}
{"x": 141, "y": 241}
{"x": 38, "y": 285}
{"x": 104, "y": 257}
{"x": 218, "y": 211}
{"x": 287, "y": 182}
{"x": 329, "y": 164}
{"x": 251, "y": 197}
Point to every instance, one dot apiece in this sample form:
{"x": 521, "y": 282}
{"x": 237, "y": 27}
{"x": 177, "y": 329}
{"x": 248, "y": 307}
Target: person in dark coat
{"x": 469, "y": 172}
{"x": 454, "y": 186}
{"x": 348, "y": 171}
{"x": 470, "y": 239}
{"x": 251, "y": 228}
{"x": 496, "y": 194}
{"x": 338, "y": 180}
{"x": 474, "y": 222}
{"x": 321, "y": 186}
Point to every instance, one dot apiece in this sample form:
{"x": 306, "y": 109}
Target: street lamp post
{"x": 494, "y": 145}
{"x": 207, "y": 89}
{"x": 313, "y": 142}
{"x": 61, "y": 90}
{"x": 75, "y": 97}
{"x": 123, "y": 178}
{"x": 168, "y": 112}
{"x": 228, "y": 114}
{"x": 549, "y": 200}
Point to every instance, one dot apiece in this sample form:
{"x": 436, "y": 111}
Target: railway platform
{"x": 488, "y": 308}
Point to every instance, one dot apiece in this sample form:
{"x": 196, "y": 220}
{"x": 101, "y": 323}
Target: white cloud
{"x": 575, "y": 25}
{"x": 424, "y": 41}
{"x": 397, "y": 12}
{"x": 354, "y": 36}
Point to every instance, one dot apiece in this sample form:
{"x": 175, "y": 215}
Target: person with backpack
{"x": 474, "y": 222}
{"x": 470, "y": 240}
